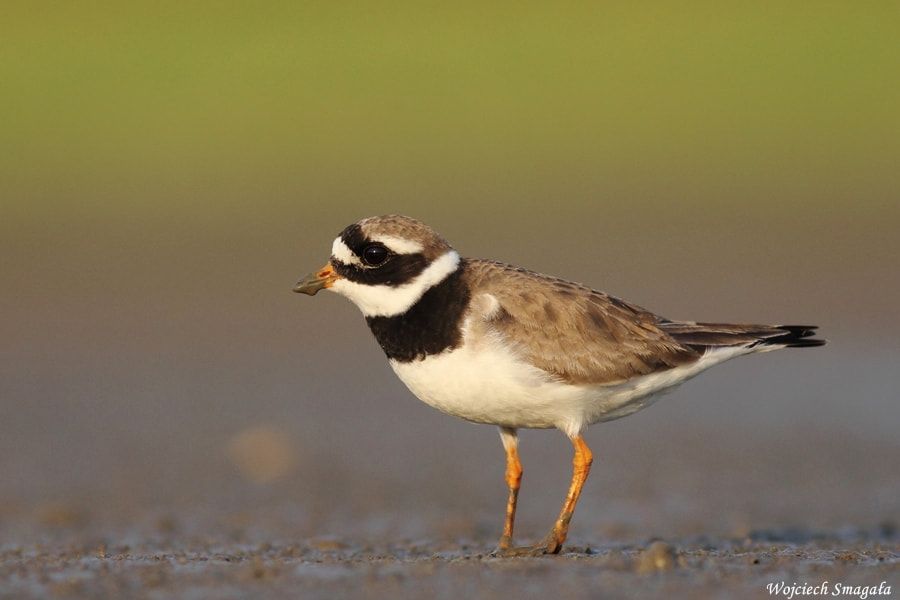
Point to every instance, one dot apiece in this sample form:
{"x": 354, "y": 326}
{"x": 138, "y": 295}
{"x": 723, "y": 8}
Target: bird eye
{"x": 374, "y": 255}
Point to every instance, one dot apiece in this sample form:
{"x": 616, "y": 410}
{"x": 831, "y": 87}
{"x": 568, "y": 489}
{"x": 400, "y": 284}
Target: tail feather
{"x": 704, "y": 336}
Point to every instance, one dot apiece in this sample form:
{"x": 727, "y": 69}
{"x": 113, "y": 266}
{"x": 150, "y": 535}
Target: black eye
{"x": 374, "y": 255}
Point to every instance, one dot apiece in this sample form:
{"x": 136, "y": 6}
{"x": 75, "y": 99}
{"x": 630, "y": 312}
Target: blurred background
{"x": 169, "y": 170}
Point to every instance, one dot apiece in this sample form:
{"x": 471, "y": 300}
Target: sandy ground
{"x": 855, "y": 565}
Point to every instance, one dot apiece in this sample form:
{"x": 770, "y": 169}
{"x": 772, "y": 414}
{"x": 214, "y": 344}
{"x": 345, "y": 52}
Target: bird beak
{"x": 319, "y": 280}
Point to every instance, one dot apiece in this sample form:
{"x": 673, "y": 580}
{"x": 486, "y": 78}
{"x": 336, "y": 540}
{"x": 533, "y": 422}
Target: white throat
{"x": 389, "y": 301}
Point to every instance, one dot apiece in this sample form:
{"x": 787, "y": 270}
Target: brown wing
{"x": 580, "y": 335}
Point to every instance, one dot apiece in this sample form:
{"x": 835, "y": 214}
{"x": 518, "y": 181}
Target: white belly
{"x": 487, "y": 384}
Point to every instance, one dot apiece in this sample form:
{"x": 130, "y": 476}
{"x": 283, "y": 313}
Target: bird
{"x": 497, "y": 344}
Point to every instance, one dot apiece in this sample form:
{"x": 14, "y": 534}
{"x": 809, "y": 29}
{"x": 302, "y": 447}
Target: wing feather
{"x": 577, "y": 334}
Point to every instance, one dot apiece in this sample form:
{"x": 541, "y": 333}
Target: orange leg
{"x": 513, "y": 481}
{"x": 552, "y": 544}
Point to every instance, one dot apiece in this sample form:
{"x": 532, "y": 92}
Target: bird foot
{"x": 549, "y": 545}
{"x": 520, "y": 551}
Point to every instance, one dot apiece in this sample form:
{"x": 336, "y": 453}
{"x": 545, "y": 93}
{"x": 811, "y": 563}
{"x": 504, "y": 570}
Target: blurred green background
{"x": 169, "y": 169}
{"x": 219, "y": 112}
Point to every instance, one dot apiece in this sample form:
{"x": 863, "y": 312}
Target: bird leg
{"x": 552, "y": 544}
{"x": 513, "y": 481}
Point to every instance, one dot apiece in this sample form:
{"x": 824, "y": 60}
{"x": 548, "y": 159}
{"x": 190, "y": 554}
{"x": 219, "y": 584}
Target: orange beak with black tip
{"x": 319, "y": 280}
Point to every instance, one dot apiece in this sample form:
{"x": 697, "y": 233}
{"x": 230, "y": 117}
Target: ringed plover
{"x": 492, "y": 343}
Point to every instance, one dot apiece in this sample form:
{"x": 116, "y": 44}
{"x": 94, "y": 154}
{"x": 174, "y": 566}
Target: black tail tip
{"x": 797, "y": 336}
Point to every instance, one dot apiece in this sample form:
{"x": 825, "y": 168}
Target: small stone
{"x": 658, "y": 556}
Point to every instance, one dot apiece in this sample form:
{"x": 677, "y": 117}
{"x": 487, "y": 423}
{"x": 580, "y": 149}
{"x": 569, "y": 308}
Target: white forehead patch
{"x": 342, "y": 253}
